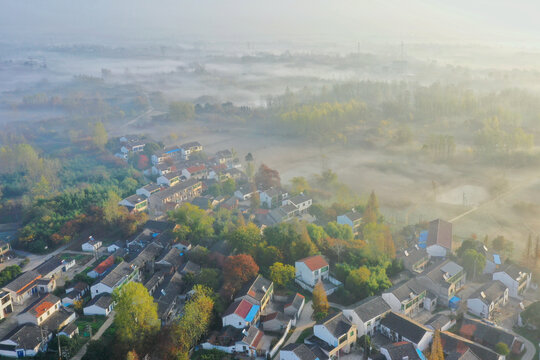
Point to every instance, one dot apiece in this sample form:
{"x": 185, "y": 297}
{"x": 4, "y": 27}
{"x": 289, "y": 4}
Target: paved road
{"x": 303, "y": 322}
{"x": 96, "y": 336}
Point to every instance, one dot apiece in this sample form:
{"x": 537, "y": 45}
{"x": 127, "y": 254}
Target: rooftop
{"x": 440, "y": 233}
{"x": 488, "y": 335}
{"x": 404, "y": 326}
{"x": 168, "y": 192}
{"x": 41, "y": 305}
{"x": 337, "y": 324}
{"x": 242, "y": 308}
{"x": 27, "y": 336}
{"x": 453, "y": 343}
{"x": 371, "y": 307}
{"x": 301, "y": 351}
{"x": 117, "y": 274}
{"x": 489, "y": 292}
{"x": 256, "y": 288}
{"x": 49, "y": 265}
{"x": 438, "y": 321}
{"x": 314, "y": 262}
{"x": 102, "y": 300}
{"x": 298, "y": 199}
{"x": 135, "y": 199}
{"x": 402, "y": 350}
{"x": 23, "y": 281}
{"x": 104, "y": 265}
{"x": 190, "y": 145}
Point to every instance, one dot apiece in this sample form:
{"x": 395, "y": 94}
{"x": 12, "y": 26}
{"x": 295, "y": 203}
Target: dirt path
{"x": 96, "y": 336}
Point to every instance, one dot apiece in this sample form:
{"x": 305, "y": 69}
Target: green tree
{"x": 111, "y": 210}
{"x": 195, "y": 223}
{"x": 371, "y": 212}
{"x": 358, "y": 282}
{"x": 99, "y": 135}
{"x": 320, "y": 302}
{"x": 228, "y": 187}
{"x": 195, "y": 321}
{"x": 473, "y": 263}
{"x": 339, "y": 231}
{"x": 181, "y": 111}
{"x": 136, "y": 314}
{"x": 245, "y": 238}
{"x": 282, "y": 275}
{"x": 501, "y": 244}
{"x": 502, "y": 348}
{"x": 211, "y": 278}
{"x": 299, "y": 185}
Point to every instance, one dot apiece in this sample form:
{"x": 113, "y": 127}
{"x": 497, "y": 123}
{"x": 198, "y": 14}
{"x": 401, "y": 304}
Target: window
{"x": 239, "y": 323}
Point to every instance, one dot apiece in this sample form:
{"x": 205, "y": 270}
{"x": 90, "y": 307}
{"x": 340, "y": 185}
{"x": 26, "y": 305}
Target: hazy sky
{"x": 111, "y": 21}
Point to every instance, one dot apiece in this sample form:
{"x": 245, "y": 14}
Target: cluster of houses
{"x": 435, "y": 282}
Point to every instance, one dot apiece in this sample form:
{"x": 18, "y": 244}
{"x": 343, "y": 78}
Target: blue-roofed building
{"x": 241, "y": 314}
{"x": 493, "y": 260}
{"x": 422, "y": 239}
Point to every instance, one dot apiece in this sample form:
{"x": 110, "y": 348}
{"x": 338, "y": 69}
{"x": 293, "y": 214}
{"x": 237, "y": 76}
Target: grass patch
{"x": 304, "y": 335}
{"x": 95, "y": 323}
{"x": 79, "y": 258}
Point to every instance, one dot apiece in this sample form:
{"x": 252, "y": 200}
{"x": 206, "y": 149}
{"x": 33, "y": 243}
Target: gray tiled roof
{"x": 404, "y": 326}
{"x": 371, "y": 308}
{"x": 115, "y": 275}
{"x": 22, "y": 280}
{"x": 337, "y": 324}
{"x": 102, "y": 300}
{"x": 27, "y": 336}
{"x": 491, "y": 291}
{"x": 402, "y": 350}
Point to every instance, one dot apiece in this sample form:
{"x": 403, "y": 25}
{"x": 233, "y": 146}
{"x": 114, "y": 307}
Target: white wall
{"x": 95, "y": 310}
{"x": 392, "y": 301}
{"x": 322, "y": 333}
{"x": 288, "y": 355}
{"x": 436, "y": 250}
{"x": 235, "y": 321}
{"x": 478, "y": 308}
{"x": 99, "y": 288}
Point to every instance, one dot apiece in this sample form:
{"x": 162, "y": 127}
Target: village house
{"x": 409, "y": 297}
{"x": 487, "y": 299}
{"x": 258, "y": 291}
{"x": 352, "y": 218}
{"x": 489, "y": 336}
{"x": 398, "y": 328}
{"x": 169, "y": 298}
{"x": 53, "y": 267}
{"x": 246, "y": 342}
{"x": 23, "y": 286}
{"x": 91, "y": 245}
{"x": 415, "y": 259}
{"x": 175, "y": 194}
{"x": 75, "y": 293}
{"x": 190, "y": 148}
{"x": 169, "y": 179}
{"x": 154, "y": 282}
{"x": 295, "y": 351}
{"x": 224, "y": 157}
{"x": 163, "y": 169}
{"x": 294, "y": 305}
{"x": 301, "y": 202}
{"x": 102, "y": 267}
{"x": 311, "y": 270}
{"x": 444, "y": 279}
{"x": 46, "y": 312}
{"x": 245, "y": 192}
{"x": 70, "y": 330}
{"x": 440, "y": 238}
{"x": 5, "y": 247}
{"x": 493, "y": 260}
{"x": 401, "y": 350}
{"x": 25, "y": 341}
{"x": 99, "y": 305}
{"x": 367, "y": 315}
{"x": 135, "y": 203}
{"x": 337, "y": 332}
{"x": 46, "y": 285}
{"x": 283, "y": 213}
{"x": 148, "y": 190}
{"x": 241, "y": 314}
{"x": 6, "y": 305}
{"x": 516, "y": 278}
{"x": 198, "y": 172}
{"x": 275, "y": 322}
{"x": 120, "y": 275}
{"x": 170, "y": 152}
{"x": 457, "y": 347}
{"x": 272, "y": 197}
{"x": 131, "y": 144}
{"x": 440, "y": 322}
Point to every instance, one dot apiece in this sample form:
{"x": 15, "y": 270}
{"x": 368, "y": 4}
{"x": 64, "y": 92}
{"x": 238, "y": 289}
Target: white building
{"x": 120, "y": 275}
{"x": 312, "y": 269}
{"x": 91, "y": 245}
{"x": 99, "y": 305}
{"x": 241, "y": 314}
{"x": 398, "y": 328}
{"x": 25, "y": 341}
{"x": 294, "y": 351}
{"x": 352, "y": 218}
{"x": 338, "y": 332}
{"x": 516, "y": 278}
{"x": 301, "y": 202}
{"x": 367, "y": 315}
{"x": 487, "y": 298}
{"x": 440, "y": 238}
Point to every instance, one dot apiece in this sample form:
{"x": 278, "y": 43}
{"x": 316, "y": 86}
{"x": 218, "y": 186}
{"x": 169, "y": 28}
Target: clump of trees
{"x": 9, "y": 273}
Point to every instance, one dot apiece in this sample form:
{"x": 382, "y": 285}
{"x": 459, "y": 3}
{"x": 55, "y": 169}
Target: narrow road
{"x": 303, "y": 323}
{"x": 96, "y": 336}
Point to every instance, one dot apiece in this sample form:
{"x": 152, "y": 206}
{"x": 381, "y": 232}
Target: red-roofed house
{"x": 241, "y": 314}
{"x": 103, "y": 267}
{"x": 39, "y": 311}
{"x": 312, "y": 269}
{"x": 439, "y": 241}
{"x": 197, "y": 172}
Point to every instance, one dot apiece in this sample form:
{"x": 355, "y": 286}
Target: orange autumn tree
{"x": 238, "y": 270}
{"x": 320, "y": 302}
